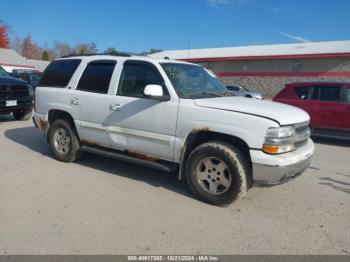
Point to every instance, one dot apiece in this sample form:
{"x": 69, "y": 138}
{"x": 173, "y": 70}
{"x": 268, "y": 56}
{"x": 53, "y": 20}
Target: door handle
{"x": 75, "y": 101}
{"x": 115, "y": 107}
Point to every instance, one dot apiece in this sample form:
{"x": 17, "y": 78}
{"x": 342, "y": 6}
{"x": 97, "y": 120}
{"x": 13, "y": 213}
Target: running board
{"x": 120, "y": 155}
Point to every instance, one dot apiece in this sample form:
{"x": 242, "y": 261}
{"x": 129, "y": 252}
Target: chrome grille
{"x": 302, "y": 133}
{"x": 13, "y": 91}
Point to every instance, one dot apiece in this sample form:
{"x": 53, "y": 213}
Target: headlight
{"x": 31, "y": 90}
{"x": 279, "y": 140}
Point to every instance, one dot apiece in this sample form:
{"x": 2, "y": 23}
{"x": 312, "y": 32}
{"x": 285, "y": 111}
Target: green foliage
{"x": 45, "y": 56}
{"x": 111, "y": 51}
{"x": 82, "y": 50}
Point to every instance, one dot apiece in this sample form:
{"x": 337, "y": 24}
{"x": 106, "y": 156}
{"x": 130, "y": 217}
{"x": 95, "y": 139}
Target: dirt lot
{"x": 104, "y": 206}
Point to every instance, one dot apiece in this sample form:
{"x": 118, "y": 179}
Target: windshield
{"x": 3, "y": 72}
{"x": 193, "y": 81}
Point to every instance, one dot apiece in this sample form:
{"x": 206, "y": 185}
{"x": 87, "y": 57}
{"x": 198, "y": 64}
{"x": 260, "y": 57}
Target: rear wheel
{"x": 217, "y": 173}
{"x": 23, "y": 115}
{"x": 64, "y": 141}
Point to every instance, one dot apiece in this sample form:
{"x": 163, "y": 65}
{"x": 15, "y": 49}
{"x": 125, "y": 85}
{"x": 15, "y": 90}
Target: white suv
{"x": 173, "y": 116}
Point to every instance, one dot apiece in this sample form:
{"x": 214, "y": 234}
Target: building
{"x": 10, "y": 59}
{"x": 267, "y": 68}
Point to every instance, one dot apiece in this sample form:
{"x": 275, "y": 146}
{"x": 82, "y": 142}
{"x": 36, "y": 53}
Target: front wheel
{"x": 217, "y": 173}
{"x": 64, "y": 141}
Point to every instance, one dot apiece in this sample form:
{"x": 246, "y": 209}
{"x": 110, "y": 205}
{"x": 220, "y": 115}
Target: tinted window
{"x": 348, "y": 96}
{"x": 96, "y": 77}
{"x": 302, "y": 91}
{"x": 135, "y": 77}
{"x": 59, "y": 72}
{"x": 315, "y": 93}
{"x": 330, "y": 93}
{"x": 233, "y": 88}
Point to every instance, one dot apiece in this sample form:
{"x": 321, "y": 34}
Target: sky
{"x": 139, "y": 25}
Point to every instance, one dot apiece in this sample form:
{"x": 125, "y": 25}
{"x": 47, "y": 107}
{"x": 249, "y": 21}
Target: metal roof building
{"x": 10, "y": 59}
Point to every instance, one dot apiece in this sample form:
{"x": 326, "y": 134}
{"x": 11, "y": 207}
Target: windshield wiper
{"x": 227, "y": 94}
{"x": 210, "y": 94}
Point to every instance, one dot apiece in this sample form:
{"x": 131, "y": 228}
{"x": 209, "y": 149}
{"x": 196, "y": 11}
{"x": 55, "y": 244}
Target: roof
{"x": 88, "y": 58}
{"x": 9, "y": 57}
{"x": 298, "y": 50}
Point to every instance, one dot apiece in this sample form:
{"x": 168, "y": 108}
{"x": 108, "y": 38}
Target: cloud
{"x": 295, "y": 37}
{"x": 216, "y": 3}
{"x": 240, "y": 3}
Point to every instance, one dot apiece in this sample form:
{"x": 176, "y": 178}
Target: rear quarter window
{"x": 59, "y": 72}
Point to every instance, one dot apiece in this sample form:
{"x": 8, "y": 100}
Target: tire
{"x": 24, "y": 115}
{"x": 64, "y": 141}
{"x": 248, "y": 96}
{"x": 225, "y": 168}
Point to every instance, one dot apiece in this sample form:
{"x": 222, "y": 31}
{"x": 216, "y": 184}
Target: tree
{"x": 151, "y": 51}
{"x": 62, "y": 49}
{"x": 45, "y": 56}
{"x": 30, "y": 49}
{"x": 16, "y": 44}
{"x": 86, "y": 48}
{"x": 154, "y": 50}
{"x": 4, "y": 39}
{"x": 111, "y": 51}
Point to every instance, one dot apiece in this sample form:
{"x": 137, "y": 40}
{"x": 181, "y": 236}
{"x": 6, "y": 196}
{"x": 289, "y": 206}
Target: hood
{"x": 11, "y": 81}
{"x": 283, "y": 114}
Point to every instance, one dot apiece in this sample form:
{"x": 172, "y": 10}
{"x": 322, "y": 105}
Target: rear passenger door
{"x": 91, "y": 102}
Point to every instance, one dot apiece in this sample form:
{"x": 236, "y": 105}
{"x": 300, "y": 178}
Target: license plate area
{"x": 11, "y": 103}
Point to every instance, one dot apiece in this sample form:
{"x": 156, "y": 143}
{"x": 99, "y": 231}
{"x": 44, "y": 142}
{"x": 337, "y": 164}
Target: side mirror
{"x": 155, "y": 92}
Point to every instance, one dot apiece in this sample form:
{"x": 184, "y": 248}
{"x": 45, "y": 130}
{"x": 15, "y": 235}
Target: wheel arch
{"x": 197, "y": 138}
{"x": 55, "y": 114}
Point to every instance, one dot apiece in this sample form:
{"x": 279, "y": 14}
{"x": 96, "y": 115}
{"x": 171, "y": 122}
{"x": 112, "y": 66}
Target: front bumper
{"x": 269, "y": 170}
{"x": 22, "y": 104}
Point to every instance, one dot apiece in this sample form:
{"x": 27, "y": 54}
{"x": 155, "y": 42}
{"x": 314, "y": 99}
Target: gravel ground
{"x": 104, "y": 206}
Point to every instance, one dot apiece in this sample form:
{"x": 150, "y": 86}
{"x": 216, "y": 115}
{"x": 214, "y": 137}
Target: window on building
{"x": 298, "y": 66}
{"x": 136, "y": 76}
{"x": 245, "y": 67}
{"x": 59, "y": 72}
{"x": 97, "y": 76}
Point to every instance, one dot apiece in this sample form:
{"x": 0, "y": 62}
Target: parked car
{"x": 328, "y": 104}
{"x": 16, "y": 97}
{"x": 243, "y": 91}
{"x": 32, "y": 77}
{"x": 173, "y": 116}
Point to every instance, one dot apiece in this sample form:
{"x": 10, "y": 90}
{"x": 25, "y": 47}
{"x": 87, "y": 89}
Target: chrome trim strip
{"x": 93, "y": 126}
{"x": 142, "y": 134}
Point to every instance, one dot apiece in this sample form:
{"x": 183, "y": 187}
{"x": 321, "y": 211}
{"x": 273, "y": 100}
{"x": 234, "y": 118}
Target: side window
{"x": 96, "y": 77}
{"x": 330, "y": 93}
{"x": 136, "y": 76}
{"x": 348, "y": 95}
{"x": 315, "y": 93}
{"x": 302, "y": 92}
{"x": 58, "y": 73}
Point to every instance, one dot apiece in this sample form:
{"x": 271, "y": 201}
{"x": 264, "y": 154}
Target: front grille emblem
{"x": 9, "y": 92}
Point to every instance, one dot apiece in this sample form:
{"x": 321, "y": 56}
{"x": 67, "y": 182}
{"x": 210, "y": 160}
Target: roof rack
{"x": 124, "y": 54}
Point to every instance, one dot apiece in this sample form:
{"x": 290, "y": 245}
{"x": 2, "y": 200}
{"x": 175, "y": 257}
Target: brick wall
{"x": 270, "y": 86}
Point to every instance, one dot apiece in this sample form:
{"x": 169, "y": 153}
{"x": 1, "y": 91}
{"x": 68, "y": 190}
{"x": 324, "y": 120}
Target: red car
{"x": 328, "y": 104}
